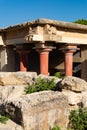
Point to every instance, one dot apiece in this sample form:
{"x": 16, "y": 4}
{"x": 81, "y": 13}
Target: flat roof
{"x": 43, "y": 21}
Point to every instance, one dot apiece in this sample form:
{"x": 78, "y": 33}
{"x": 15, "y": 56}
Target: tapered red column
{"x": 44, "y": 60}
{"x": 23, "y": 60}
{"x": 69, "y": 50}
{"x": 68, "y": 63}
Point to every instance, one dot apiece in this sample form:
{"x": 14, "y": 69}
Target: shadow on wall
{"x": 34, "y": 62}
{"x": 4, "y": 68}
{"x": 56, "y": 61}
{"x": 84, "y": 70}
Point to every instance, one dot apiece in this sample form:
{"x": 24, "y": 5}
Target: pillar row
{"x": 44, "y": 60}
{"x": 23, "y": 60}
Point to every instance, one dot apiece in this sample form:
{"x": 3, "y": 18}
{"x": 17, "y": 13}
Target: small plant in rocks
{"x": 58, "y": 75}
{"x": 40, "y": 85}
{"x": 78, "y": 119}
{"x": 56, "y": 128}
{"x": 4, "y": 118}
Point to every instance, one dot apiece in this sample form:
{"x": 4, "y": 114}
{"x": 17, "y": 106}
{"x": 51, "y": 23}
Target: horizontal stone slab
{"x": 16, "y": 78}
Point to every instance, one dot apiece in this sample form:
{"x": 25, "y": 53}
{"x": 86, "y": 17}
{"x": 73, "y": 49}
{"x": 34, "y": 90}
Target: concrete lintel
{"x": 15, "y": 41}
{"x": 53, "y": 38}
{"x": 73, "y": 40}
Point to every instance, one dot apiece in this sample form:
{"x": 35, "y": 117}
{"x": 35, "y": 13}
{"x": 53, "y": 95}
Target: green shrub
{"x": 81, "y": 21}
{"x": 78, "y": 119}
{"x": 40, "y": 85}
{"x": 56, "y": 128}
{"x": 58, "y": 75}
{"x": 4, "y": 118}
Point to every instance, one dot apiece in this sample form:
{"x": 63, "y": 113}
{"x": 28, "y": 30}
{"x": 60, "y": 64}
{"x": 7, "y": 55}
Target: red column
{"x": 69, "y": 60}
{"x": 68, "y": 63}
{"x": 23, "y": 60}
{"x": 44, "y": 60}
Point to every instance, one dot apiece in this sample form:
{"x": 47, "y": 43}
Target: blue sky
{"x": 18, "y": 11}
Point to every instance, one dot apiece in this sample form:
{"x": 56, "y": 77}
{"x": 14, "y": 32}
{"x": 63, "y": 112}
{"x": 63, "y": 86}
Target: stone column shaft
{"x": 68, "y": 63}
{"x": 69, "y": 50}
{"x": 44, "y": 60}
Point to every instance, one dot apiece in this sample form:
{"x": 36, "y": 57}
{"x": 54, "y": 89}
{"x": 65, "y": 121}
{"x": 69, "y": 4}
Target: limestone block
{"x": 74, "y": 99}
{"x": 10, "y": 81}
{"x": 51, "y": 37}
{"x": 16, "y": 78}
{"x": 74, "y": 84}
{"x": 56, "y": 80}
{"x": 7, "y": 78}
{"x": 26, "y": 77}
{"x": 10, "y": 125}
{"x": 84, "y": 99}
{"x": 39, "y": 111}
{"x": 10, "y": 91}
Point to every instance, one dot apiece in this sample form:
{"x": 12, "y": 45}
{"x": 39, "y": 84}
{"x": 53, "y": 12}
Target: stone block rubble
{"x": 40, "y": 110}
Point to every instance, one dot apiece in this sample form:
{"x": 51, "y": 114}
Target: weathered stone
{"x": 84, "y": 99}
{"x": 17, "y": 78}
{"x": 26, "y": 77}
{"x": 56, "y": 80}
{"x": 10, "y": 125}
{"x": 11, "y": 91}
{"x": 74, "y": 84}
{"x": 39, "y": 111}
{"x": 17, "y": 91}
{"x": 43, "y": 110}
{"x": 74, "y": 99}
{"x": 9, "y": 79}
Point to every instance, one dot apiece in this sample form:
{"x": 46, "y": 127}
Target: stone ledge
{"x": 16, "y": 78}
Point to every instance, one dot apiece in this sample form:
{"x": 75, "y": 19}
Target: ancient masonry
{"x": 44, "y": 46}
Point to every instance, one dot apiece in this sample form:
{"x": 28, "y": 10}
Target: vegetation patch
{"x": 4, "y": 118}
{"x": 40, "y": 85}
{"x": 56, "y": 128}
{"x": 81, "y": 21}
{"x": 58, "y": 75}
{"x": 78, "y": 119}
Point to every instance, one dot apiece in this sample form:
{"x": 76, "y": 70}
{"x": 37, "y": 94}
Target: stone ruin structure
{"x": 44, "y": 46}
{"x": 40, "y": 110}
